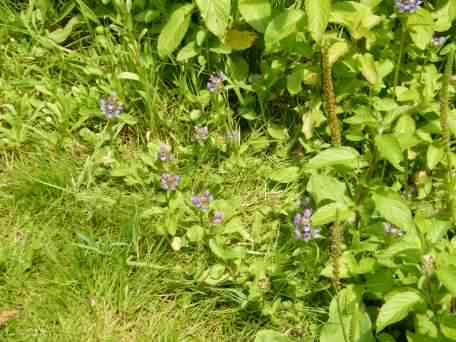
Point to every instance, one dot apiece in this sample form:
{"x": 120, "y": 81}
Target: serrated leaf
{"x": 390, "y": 149}
{"x": 317, "y": 17}
{"x": 396, "y": 308}
{"x": 216, "y": 14}
{"x": 335, "y": 156}
{"x": 174, "y": 30}
{"x": 256, "y": 12}
{"x": 326, "y": 187}
{"x": 394, "y": 211}
{"x": 239, "y": 40}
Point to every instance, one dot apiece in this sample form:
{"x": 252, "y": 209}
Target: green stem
{"x": 399, "y": 57}
{"x": 444, "y": 110}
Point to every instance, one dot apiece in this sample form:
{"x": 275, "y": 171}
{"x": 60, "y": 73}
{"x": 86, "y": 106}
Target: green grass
{"x": 78, "y": 258}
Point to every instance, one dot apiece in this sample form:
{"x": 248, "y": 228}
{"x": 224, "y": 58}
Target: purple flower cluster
{"x": 202, "y": 201}
{"x": 303, "y": 229}
{"x": 164, "y": 154}
{"x": 392, "y": 230}
{"x": 408, "y": 6}
{"x": 217, "y": 217}
{"x": 215, "y": 82}
{"x": 438, "y": 40}
{"x": 169, "y": 181}
{"x": 111, "y": 106}
{"x": 200, "y": 133}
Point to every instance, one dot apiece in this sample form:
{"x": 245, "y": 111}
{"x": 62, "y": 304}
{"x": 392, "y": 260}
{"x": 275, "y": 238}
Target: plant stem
{"x": 330, "y": 97}
{"x": 399, "y": 57}
{"x": 444, "y": 109}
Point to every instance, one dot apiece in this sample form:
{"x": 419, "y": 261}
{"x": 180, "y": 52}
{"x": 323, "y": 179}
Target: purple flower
{"x": 200, "y": 133}
{"x": 438, "y": 40}
{"x": 408, "y": 6}
{"x": 164, "y": 153}
{"x": 202, "y": 201}
{"x": 303, "y": 228}
{"x": 215, "y": 82}
{"x": 169, "y": 182}
{"x": 111, "y": 106}
{"x": 218, "y": 217}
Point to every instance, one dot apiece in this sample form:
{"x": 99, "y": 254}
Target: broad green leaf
{"x": 128, "y": 76}
{"x": 62, "y": 34}
{"x": 394, "y": 210}
{"x": 239, "y": 40}
{"x": 239, "y": 68}
{"x": 326, "y": 187}
{"x": 174, "y": 30}
{"x": 337, "y": 50}
{"x": 216, "y": 15}
{"x": 332, "y": 212}
{"x": 347, "y": 312}
{"x": 285, "y": 175}
{"x": 335, "y": 156}
{"x": 195, "y": 233}
{"x": 317, "y": 17}
{"x": 277, "y": 132}
{"x": 446, "y": 272}
{"x": 281, "y": 27}
{"x": 367, "y": 67}
{"x": 188, "y": 51}
{"x": 397, "y": 307}
{"x": 448, "y": 326}
{"x": 224, "y": 252}
{"x": 434, "y": 155}
{"x": 389, "y": 149}
{"x": 256, "y": 12}
{"x": 421, "y": 27}
{"x": 301, "y": 74}
{"x": 270, "y": 336}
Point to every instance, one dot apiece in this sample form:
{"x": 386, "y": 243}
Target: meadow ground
{"x": 85, "y": 254}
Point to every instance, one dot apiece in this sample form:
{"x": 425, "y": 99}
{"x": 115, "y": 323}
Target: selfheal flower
{"x": 438, "y": 40}
{"x": 200, "y": 133}
{"x": 218, "y": 217}
{"x": 303, "y": 229}
{"x": 164, "y": 154}
{"x": 169, "y": 181}
{"x": 408, "y": 6}
{"x": 392, "y": 230}
{"x": 215, "y": 82}
{"x": 111, "y": 106}
{"x": 202, "y": 201}
{"x": 428, "y": 264}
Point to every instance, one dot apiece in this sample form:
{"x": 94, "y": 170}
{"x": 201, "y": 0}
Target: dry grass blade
{"x": 7, "y": 315}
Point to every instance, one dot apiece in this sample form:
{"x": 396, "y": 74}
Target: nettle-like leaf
{"x": 347, "y": 313}
{"x": 390, "y": 149}
{"x": 397, "y": 307}
{"x": 394, "y": 210}
{"x": 421, "y": 27}
{"x": 281, "y": 27}
{"x": 317, "y": 17}
{"x": 446, "y": 271}
{"x": 174, "y": 30}
{"x": 256, "y": 12}
{"x": 335, "y": 156}
{"x": 358, "y": 18}
{"x": 326, "y": 187}
{"x": 216, "y": 15}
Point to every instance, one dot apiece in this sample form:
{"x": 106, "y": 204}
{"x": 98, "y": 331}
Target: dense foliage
{"x": 356, "y": 95}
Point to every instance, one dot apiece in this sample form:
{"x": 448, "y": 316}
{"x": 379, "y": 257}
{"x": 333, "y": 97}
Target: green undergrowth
{"x": 85, "y": 253}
